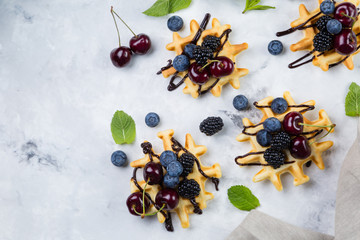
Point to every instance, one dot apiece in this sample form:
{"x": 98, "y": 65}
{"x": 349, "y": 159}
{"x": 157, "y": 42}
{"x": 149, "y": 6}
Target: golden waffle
{"x": 228, "y": 50}
{"x": 329, "y": 57}
{"x": 185, "y": 207}
{"x": 296, "y": 168}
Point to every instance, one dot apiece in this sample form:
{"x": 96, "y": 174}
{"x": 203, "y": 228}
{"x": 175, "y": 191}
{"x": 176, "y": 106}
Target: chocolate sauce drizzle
{"x": 254, "y": 164}
{"x": 300, "y": 27}
{"x": 169, "y": 65}
{"x": 167, "y": 215}
{"x": 147, "y": 149}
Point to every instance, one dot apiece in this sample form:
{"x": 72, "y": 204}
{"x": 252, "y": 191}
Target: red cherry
{"x": 153, "y": 173}
{"x": 346, "y": 12}
{"x": 167, "y": 196}
{"x": 222, "y": 68}
{"x": 300, "y": 148}
{"x": 120, "y": 56}
{"x": 135, "y": 201}
{"x": 198, "y": 75}
{"x": 345, "y": 42}
{"x": 291, "y": 123}
{"x": 140, "y": 44}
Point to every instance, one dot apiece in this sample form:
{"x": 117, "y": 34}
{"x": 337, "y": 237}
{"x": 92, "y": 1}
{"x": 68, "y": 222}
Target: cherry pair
{"x": 139, "y": 44}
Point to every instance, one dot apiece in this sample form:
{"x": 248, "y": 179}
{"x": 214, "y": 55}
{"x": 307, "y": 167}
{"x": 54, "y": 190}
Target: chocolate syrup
{"x": 254, "y": 164}
{"x": 209, "y": 89}
{"x": 147, "y": 149}
{"x": 293, "y": 29}
{"x": 172, "y": 86}
{"x": 317, "y": 132}
{"x": 343, "y": 60}
{"x": 169, "y": 65}
{"x": 168, "y": 222}
{"x": 226, "y": 32}
{"x": 308, "y": 164}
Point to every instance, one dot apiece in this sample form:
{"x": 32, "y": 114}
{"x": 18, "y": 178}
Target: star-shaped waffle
{"x": 228, "y": 50}
{"x": 296, "y": 168}
{"x": 329, "y": 57}
{"x": 184, "y": 207}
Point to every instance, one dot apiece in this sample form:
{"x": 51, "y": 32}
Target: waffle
{"x": 228, "y": 50}
{"x": 329, "y": 57}
{"x": 184, "y": 207}
{"x": 296, "y": 168}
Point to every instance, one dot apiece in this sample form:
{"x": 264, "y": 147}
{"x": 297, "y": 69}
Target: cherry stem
{"x": 332, "y": 126}
{"x": 345, "y": 15}
{"x": 208, "y": 63}
{"x": 148, "y": 214}
{"x": 124, "y": 23}
{"x": 117, "y": 29}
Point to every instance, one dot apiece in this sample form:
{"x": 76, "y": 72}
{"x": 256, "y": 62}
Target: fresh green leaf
{"x": 242, "y": 198}
{"x": 123, "y": 128}
{"x": 164, "y": 7}
{"x": 352, "y": 101}
{"x": 159, "y": 8}
{"x": 261, "y": 7}
{"x": 253, "y": 5}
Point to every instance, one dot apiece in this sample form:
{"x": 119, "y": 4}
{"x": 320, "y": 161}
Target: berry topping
{"x": 321, "y": 23}
{"x": 334, "y": 26}
{"x": 181, "y": 63}
{"x": 202, "y": 55}
{"x": 152, "y": 119}
{"x": 327, "y": 7}
{"x": 140, "y": 44}
{"x": 153, "y": 173}
{"x": 346, "y": 13}
{"x": 119, "y": 158}
{"x": 198, "y": 74}
{"x": 279, "y": 105}
{"x": 187, "y": 160}
{"x": 211, "y": 42}
{"x": 274, "y": 157}
{"x": 189, "y": 50}
{"x": 345, "y": 43}
{"x": 240, "y": 102}
{"x": 292, "y": 123}
{"x": 174, "y": 169}
{"x": 221, "y": 67}
{"x": 171, "y": 182}
{"x": 323, "y": 41}
{"x": 167, "y": 157}
{"x": 189, "y": 188}
{"x": 300, "y": 148}
{"x": 175, "y": 23}
{"x": 281, "y": 141}
{"x": 263, "y": 137}
{"x": 135, "y": 201}
{"x": 272, "y": 125}
{"x": 211, "y": 125}
{"x": 167, "y": 196}
{"x": 120, "y": 56}
{"x": 275, "y": 47}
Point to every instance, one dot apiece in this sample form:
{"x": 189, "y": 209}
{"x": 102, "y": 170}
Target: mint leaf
{"x": 352, "y": 101}
{"x": 253, "y": 5}
{"x": 164, "y": 7}
{"x": 123, "y": 128}
{"x": 242, "y": 198}
{"x": 261, "y": 7}
{"x": 159, "y": 8}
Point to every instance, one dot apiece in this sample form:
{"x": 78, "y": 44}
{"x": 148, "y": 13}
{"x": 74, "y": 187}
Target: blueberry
{"x": 275, "y": 47}
{"x": 119, "y": 158}
{"x": 181, "y": 63}
{"x": 327, "y": 7}
{"x": 279, "y": 105}
{"x": 240, "y": 102}
{"x": 189, "y": 50}
{"x": 167, "y": 157}
{"x": 152, "y": 119}
{"x": 334, "y": 26}
{"x": 174, "y": 168}
{"x": 170, "y": 182}
{"x": 175, "y": 23}
{"x": 272, "y": 125}
{"x": 263, "y": 137}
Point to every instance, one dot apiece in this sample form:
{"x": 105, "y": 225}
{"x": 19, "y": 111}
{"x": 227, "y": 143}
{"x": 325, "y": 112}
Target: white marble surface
{"x": 58, "y": 93}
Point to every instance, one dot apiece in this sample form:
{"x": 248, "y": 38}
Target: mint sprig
{"x": 164, "y": 7}
{"x": 352, "y": 101}
{"x": 253, "y": 5}
{"x": 123, "y": 128}
{"x": 242, "y": 198}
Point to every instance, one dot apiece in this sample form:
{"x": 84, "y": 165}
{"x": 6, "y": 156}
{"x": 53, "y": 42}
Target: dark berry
{"x": 275, "y": 47}
{"x": 280, "y": 141}
{"x": 174, "y": 169}
{"x": 272, "y": 125}
{"x": 140, "y": 44}
{"x": 189, "y": 188}
{"x": 202, "y": 55}
{"x": 346, "y": 13}
{"x": 274, "y": 157}
{"x": 197, "y": 74}
{"x": 167, "y": 196}
{"x": 175, "y": 23}
{"x": 211, "y": 42}
{"x": 223, "y": 66}
{"x": 211, "y": 125}
{"x": 263, "y": 137}
{"x": 120, "y": 57}
{"x": 279, "y": 105}
{"x": 171, "y": 182}
{"x": 153, "y": 173}
{"x": 345, "y": 43}
{"x": 187, "y": 160}
{"x": 300, "y": 148}
{"x": 323, "y": 41}
{"x": 119, "y": 158}
{"x": 322, "y": 22}
{"x": 167, "y": 157}
{"x": 240, "y": 102}
{"x": 327, "y": 7}
{"x": 292, "y": 123}
{"x": 152, "y": 119}
{"x": 181, "y": 63}
{"x": 334, "y": 26}
{"x": 189, "y": 50}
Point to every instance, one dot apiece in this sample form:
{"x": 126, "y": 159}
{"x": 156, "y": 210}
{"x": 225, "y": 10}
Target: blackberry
{"x": 323, "y": 41}
{"x": 211, "y": 42}
{"x": 187, "y": 160}
{"x": 202, "y": 54}
{"x": 274, "y": 157}
{"x": 280, "y": 141}
{"x": 321, "y": 23}
{"x": 189, "y": 188}
{"x": 211, "y": 125}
